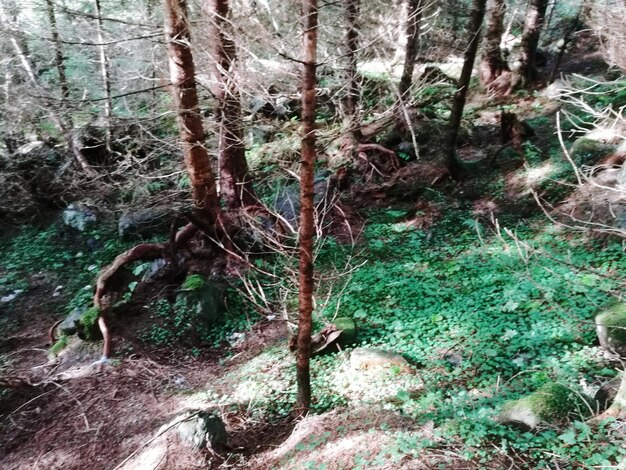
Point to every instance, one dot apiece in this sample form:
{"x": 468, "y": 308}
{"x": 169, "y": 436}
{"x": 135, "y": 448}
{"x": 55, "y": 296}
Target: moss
{"x": 589, "y": 151}
{"x": 194, "y": 282}
{"x": 614, "y": 318}
{"x": 59, "y": 346}
{"x": 554, "y": 401}
{"x": 89, "y": 323}
{"x": 348, "y": 329}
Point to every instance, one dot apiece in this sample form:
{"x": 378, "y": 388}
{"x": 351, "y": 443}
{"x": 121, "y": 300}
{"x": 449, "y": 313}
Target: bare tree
{"x": 307, "y": 226}
{"x": 492, "y": 63}
{"x": 474, "y": 29}
{"x": 535, "y": 16}
{"x": 236, "y": 187}
{"x": 352, "y": 8}
{"x": 414, "y": 16}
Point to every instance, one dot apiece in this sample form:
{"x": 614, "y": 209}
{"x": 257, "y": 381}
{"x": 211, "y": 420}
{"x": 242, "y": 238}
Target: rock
{"x": 550, "y": 405}
{"x": 145, "y": 222}
{"x": 606, "y": 394}
{"x": 154, "y": 270}
{"x": 611, "y": 328}
{"x": 348, "y": 330}
{"x": 204, "y": 300}
{"x": 199, "y": 429}
{"x": 287, "y": 203}
{"x": 80, "y": 216}
{"x": 83, "y": 322}
{"x": 377, "y": 359}
{"x": 587, "y": 151}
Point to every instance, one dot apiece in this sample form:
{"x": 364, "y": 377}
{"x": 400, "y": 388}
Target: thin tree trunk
{"x": 414, "y": 15}
{"x": 475, "y": 26}
{"x": 236, "y": 187}
{"x": 352, "y": 8}
{"x": 307, "y": 229}
{"x": 527, "y": 71}
{"x": 492, "y": 63}
{"x": 104, "y": 71}
{"x": 58, "y": 58}
{"x": 185, "y": 96}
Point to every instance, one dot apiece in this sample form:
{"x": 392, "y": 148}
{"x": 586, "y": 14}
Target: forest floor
{"x": 481, "y": 315}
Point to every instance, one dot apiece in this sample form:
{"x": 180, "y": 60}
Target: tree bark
{"x": 104, "y": 71}
{"x": 236, "y": 187}
{"x": 535, "y": 15}
{"x": 352, "y": 8}
{"x": 492, "y": 63}
{"x": 307, "y": 229}
{"x": 414, "y": 16}
{"x": 475, "y": 26}
{"x": 185, "y": 96}
{"x": 58, "y": 57}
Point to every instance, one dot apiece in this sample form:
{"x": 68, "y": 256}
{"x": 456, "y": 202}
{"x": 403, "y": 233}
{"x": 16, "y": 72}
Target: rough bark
{"x": 185, "y": 96}
{"x": 414, "y": 15}
{"x": 352, "y": 8}
{"x": 474, "y": 29}
{"x": 104, "y": 69}
{"x": 306, "y": 229}
{"x": 535, "y": 15}
{"x": 236, "y": 187}
{"x": 58, "y": 57}
{"x": 492, "y": 63}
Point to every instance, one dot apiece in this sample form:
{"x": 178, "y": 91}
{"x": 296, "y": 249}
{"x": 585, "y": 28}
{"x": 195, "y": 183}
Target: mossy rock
{"x": 611, "y": 328}
{"x": 552, "y": 404}
{"x": 348, "y": 330}
{"x": 83, "y": 322}
{"x": 587, "y": 151}
{"x": 199, "y": 429}
{"x": 202, "y": 301}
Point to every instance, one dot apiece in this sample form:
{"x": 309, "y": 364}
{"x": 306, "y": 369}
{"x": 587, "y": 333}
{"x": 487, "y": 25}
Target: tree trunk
{"x": 58, "y": 58}
{"x": 527, "y": 71}
{"x": 414, "y": 15}
{"x": 235, "y": 183}
{"x": 475, "y": 26}
{"x": 492, "y": 63}
{"x": 352, "y": 45}
{"x": 307, "y": 229}
{"x": 185, "y": 96}
{"x": 104, "y": 71}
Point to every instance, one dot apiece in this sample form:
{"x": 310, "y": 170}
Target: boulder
{"x": 611, "y": 328}
{"x": 588, "y": 151}
{"x": 199, "y": 429}
{"x": 377, "y": 359}
{"x": 83, "y": 322}
{"x": 203, "y": 299}
{"x": 552, "y": 404}
{"x": 607, "y": 393}
{"x": 144, "y": 223}
{"x": 80, "y": 216}
{"x": 287, "y": 202}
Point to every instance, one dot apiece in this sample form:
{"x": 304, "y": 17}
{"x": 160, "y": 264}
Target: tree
{"x": 352, "y": 45}
{"x": 185, "y": 95}
{"x": 414, "y": 16}
{"x": 307, "y": 192}
{"x": 492, "y": 64}
{"x": 535, "y": 16}
{"x": 236, "y": 187}
{"x": 474, "y": 29}
{"x": 104, "y": 69}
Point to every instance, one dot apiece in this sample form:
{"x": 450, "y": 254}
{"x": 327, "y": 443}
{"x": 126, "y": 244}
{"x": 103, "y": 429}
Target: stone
{"x": 80, "y": 216}
{"x": 611, "y": 328}
{"x": 377, "y": 359}
{"x": 82, "y": 321}
{"x": 607, "y": 393}
{"x": 552, "y": 404}
{"x": 587, "y": 151}
{"x": 144, "y": 223}
{"x": 199, "y": 429}
{"x": 69, "y": 326}
{"x": 348, "y": 330}
{"x": 204, "y": 299}
{"x": 287, "y": 203}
